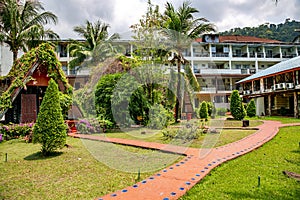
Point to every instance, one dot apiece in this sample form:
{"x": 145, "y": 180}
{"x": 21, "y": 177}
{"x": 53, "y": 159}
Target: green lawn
{"x": 73, "y": 174}
{"x": 205, "y": 140}
{"x": 284, "y": 120}
{"x": 238, "y": 179}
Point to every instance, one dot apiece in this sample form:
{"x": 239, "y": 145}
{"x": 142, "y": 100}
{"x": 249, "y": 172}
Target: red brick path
{"x": 174, "y": 181}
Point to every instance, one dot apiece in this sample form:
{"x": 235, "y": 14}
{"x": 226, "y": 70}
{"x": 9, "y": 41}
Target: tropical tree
{"x": 181, "y": 27}
{"x": 147, "y": 38}
{"x": 97, "y": 44}
{"x": 22, "y": 24}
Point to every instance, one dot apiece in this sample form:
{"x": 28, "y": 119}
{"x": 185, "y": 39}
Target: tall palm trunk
{"x": 15, "y": 55}
{"x": 178, "y": 99}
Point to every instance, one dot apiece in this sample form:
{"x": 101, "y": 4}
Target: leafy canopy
{"x": 22, "y": 24}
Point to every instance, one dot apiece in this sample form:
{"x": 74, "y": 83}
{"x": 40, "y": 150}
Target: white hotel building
{"x": 218, "y": 62}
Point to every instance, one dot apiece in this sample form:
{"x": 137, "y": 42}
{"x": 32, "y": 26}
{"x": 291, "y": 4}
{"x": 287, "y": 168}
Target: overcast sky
{"x": 120, "y": 14}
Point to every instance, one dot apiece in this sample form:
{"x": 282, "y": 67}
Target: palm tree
{"x": 181, "y": 28}
{"x": 96, "y": 41}
{"x": 22, "y": 24}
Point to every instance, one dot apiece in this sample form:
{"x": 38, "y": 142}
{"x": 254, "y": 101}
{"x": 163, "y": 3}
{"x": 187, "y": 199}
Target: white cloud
{"x": 120, "y": 14}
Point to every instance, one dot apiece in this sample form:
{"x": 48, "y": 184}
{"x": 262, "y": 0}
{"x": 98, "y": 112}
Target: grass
{"x": 205, "y": 140}
{"x": 238, "y": 179}
{"x": 72, "y": 174}
{"x": 284, "y": 120}
{"x": 226, "y": 136}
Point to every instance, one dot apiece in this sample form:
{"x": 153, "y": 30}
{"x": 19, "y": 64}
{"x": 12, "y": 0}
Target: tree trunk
{"x": 15, "y": 55}
{"x": 178, "y": 98}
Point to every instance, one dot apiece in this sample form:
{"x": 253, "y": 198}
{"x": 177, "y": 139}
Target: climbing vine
{"x": 19, "y": 75}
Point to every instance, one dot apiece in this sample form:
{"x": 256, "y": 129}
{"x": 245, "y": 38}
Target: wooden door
{"x": 28, "y": 108}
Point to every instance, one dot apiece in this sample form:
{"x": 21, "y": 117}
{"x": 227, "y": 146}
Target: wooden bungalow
{"x": 276, "y": 90}
{"x": 23, "y": 89}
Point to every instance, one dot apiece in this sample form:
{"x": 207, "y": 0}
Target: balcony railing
{"x": 220, "y": 54}
{"x": 243, "y": 55}
{"x": 218, "y": 71}
{"x": 273, "y": 88}
{"x": 221, "y": 87}
{"x": 201, "y": 54}
{"x": 289, "y": 55}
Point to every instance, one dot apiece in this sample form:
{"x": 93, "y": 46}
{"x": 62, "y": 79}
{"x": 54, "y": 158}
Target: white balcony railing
{"x": 219, "y": 71}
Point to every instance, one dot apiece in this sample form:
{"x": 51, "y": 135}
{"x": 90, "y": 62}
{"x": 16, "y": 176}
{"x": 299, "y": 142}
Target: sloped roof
{"x": 275, "y": 69}
{"x": 21, "y": 72}
{"x": 243, "y": 39}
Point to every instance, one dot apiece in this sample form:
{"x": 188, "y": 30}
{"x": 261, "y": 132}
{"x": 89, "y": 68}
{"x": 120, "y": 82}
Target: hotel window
{"x": 65, "y": 69}
{"x": 269, "y": 53}
{"x": 226, "y": 49}
{"x": 62, "y": 50}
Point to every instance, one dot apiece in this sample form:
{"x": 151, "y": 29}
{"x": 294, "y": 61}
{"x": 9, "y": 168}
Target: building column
{"x": 262, "y": 89}
{"x": 269, "y": 105}
{"x": 209, "y": 49}
{"x": 296, "y": 106}
{"x": 256, "y": 65}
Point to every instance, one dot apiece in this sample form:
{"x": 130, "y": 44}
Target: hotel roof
{"x": 243, "y": 39}
{"x": 284, "y": 66}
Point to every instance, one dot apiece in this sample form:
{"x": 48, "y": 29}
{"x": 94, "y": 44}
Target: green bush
{"x": 91, "y": 125}
{"x": 50, "y": 129}
{"x": 160, "y": 117}
{"x": 211, "y": 109}
{"x": 236, "y": 107}
{"x": 12, "y": 131}
{"x": 189, "y": 131}
{"x": 251, "y": 109}
{"x": 103, "y": 94}
{"x": 221, "y": 111}
{"x": 203, "y": 113}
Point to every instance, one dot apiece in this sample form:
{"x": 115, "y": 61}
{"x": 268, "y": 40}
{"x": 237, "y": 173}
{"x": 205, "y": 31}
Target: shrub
{"x": 89, "y": 126}
{"x": 211, "y": 109}
{"x": 50, "y": 129}
{"x": 11, "y": 131}
{"x": 221, "y": 111}
{"x": 236, "y": 107}
{"x": 189, "y": 132}
{"x": 103, "y": 94}
{"x": 203, "y": 113}
{"x": 251, "y": 109}
{"x": 160, "y": 117}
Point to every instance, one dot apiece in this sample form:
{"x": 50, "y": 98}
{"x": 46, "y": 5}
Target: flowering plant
{"x": 11, "y": 131}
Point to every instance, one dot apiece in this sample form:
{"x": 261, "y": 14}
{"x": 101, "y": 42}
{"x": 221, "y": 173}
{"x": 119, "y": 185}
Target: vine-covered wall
{"x": 23, "y": 68}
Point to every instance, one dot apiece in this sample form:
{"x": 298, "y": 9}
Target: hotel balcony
{"x": 279, "y": 87}
{"x": 219, "y": 89}
{"x": 224, "y": 71}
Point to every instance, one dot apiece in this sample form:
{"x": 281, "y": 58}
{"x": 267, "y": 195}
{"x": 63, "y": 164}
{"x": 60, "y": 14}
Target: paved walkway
{"x": 174, "y": 181}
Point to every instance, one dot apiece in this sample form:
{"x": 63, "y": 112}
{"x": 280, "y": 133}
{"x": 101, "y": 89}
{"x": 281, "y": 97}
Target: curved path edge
{"x": 175, "y": 180}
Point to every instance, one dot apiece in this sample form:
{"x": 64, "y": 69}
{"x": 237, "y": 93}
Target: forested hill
{"x": 283, "y": 32}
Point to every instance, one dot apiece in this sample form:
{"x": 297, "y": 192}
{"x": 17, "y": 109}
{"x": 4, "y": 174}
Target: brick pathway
{"x": 174, "y": 181}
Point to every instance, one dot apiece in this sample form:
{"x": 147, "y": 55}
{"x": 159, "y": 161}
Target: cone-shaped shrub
{"x": 236, "y": 107}
{"x": 50, "y": 129}
{"x": 203, "y": 112}
{"x": 251, "y": 108}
